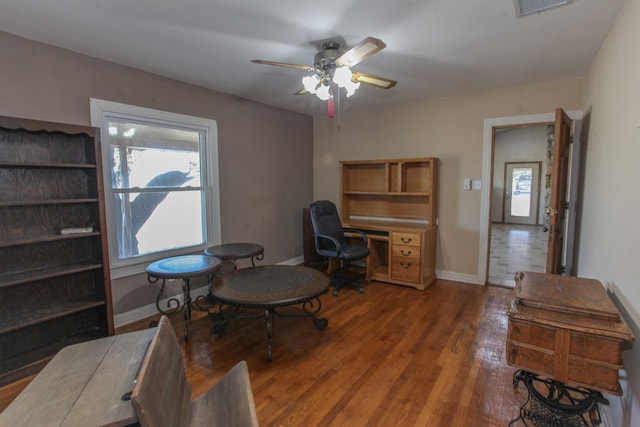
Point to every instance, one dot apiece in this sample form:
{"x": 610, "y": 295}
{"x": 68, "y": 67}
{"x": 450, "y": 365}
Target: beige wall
{"x": 609, "y": 247}
{"x": 262, "y": 191}
{"x": 448, "y": 128}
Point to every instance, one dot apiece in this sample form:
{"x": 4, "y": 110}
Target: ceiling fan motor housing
{"x": 325, "y": 60}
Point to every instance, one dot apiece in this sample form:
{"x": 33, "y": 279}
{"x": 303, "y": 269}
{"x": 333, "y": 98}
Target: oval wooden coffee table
{"x": 268, "y": 288}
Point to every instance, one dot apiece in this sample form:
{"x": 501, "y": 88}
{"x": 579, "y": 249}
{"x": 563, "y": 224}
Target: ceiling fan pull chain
{"x": 338, "y": 106}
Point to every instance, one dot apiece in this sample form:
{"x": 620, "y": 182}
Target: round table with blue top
{"x": 184, "y": 267}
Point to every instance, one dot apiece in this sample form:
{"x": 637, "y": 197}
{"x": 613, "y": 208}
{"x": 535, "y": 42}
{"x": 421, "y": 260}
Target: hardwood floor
{"x": 393, "y": 356}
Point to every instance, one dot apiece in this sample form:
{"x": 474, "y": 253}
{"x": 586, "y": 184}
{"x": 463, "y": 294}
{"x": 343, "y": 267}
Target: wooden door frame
{"x": 487, "y": 175}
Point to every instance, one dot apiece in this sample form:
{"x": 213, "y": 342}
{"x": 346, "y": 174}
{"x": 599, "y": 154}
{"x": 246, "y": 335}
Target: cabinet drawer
{"x": 405, "y": 253}
{"x": 594, "y": 374}
{"x": 537, "y": 336}
{"x": 405, "y": 270}
{"x": 412, "y": 239}
{"x": 538, "y": 361}
{"x": 596, "y": 348}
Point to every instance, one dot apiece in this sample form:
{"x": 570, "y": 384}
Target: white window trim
{"x": 100, "y": 110}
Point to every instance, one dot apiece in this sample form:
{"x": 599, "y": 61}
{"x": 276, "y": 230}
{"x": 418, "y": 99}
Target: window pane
{"x": 150, "y": 156}
{"x": 155, "y": 221}
{"x": 145, "y": 156}
{"x": 521, "y": 198}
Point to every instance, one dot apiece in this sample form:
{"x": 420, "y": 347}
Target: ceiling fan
{"x": 331, "y": 69}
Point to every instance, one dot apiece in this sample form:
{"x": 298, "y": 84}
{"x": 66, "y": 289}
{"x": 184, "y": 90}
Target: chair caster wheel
{"x": 220, "y": 329}
{"x": 361, "y": 290}
{"x": 321, "y": 323}
{"x": 335, "y": 293}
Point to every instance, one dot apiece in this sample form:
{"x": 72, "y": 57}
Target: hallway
{"x": 516, "y": 248}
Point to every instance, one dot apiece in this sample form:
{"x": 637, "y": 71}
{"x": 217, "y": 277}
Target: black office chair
{"x": 329, "y": 239}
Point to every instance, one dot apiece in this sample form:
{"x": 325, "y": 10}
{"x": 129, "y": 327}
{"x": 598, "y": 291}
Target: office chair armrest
{"x": 333, "y": 240}
{"x": 362, "y": 234}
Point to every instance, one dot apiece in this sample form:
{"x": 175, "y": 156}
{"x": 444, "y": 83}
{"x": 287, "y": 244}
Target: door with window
{"x": 522, "y": 193}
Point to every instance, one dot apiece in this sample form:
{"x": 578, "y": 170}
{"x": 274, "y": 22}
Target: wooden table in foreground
{"x": 568, "y": 329}
{"x": 83, "y": 385}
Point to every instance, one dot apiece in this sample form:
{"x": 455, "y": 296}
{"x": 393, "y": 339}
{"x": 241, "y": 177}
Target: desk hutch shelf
{"x": 395, "y": 202}
{"x": 54, "y": 288}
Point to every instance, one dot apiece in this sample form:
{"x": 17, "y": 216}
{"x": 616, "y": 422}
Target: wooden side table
{"x": 236, "y": 251}
{"x": 185, "y": 268}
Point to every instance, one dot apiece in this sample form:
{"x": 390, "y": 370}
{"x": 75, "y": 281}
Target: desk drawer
{"x": 406, "y": 253}
{"x": 412, "y": 239}
{"x": 405, "y": 270}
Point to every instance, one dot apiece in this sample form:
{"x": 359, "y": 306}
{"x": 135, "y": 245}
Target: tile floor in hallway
{"x": 516, "y": 248}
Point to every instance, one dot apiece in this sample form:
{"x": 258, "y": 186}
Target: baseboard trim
{"x": 459, "y": 277}
{"x": 606, "y": 412}
{"x": 149, "y": 310}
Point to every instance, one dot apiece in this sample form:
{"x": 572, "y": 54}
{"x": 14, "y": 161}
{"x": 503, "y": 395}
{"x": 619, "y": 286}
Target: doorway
{"x": 518, "y": 241}
{"x": 492, "y": 206}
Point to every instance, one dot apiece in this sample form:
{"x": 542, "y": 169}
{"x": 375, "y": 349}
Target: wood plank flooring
{"x": 393, "y": 356}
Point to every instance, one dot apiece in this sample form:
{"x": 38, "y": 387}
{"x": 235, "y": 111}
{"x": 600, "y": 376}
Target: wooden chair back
{"x": 162, "y": 394}
{"x": 229, "y": 403}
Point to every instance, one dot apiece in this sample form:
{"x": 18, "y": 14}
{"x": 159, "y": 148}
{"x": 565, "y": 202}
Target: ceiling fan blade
{"x": 301, "y": 92}
{"x": 370, "y": 79}
{"x": 283, "y": 64}
{"x": 360, "y": 52}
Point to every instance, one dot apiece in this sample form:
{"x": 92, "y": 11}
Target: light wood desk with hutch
{"x": 394, "y": 201}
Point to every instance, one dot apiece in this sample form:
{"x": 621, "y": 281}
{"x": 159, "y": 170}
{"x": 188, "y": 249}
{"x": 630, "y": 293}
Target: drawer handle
{"x": 405, "y": 253}
{"x": 407, "y": 240}
{"x": 516, "y": 330}
{"x": 405, "y": 264}
{"x": 514, "y": 354}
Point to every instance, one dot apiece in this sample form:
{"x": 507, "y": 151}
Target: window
{"x": 161, "y": 187}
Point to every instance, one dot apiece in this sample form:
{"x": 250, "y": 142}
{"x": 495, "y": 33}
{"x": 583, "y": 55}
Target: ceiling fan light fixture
{"x": 310, "y": 83}
{"x": 342, "y": 76}
{"x": 351, "y": 88}
{"x": 323, "y": 92}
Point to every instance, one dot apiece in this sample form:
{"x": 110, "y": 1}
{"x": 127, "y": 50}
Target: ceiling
{"x": 435, "y": 48}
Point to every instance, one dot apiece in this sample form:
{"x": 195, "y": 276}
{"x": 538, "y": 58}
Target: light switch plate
{"x": 476, "y": 184}
{"x": 467, "y": 184}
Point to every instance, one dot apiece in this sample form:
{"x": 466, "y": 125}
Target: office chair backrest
{"x": 325, "y": 220}
{"x": 162, "y": 394}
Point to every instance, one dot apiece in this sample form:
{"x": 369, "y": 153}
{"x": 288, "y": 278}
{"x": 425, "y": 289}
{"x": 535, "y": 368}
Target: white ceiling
{"x": 435, "y": 48}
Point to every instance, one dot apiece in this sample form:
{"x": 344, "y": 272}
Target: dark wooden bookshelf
{"x": 54, "y": 288}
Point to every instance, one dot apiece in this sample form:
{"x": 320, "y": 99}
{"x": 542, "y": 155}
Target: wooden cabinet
{"x": 395, "y": 202}
{"x": 54, "y": 286}
{"x": 566, "y": 328}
